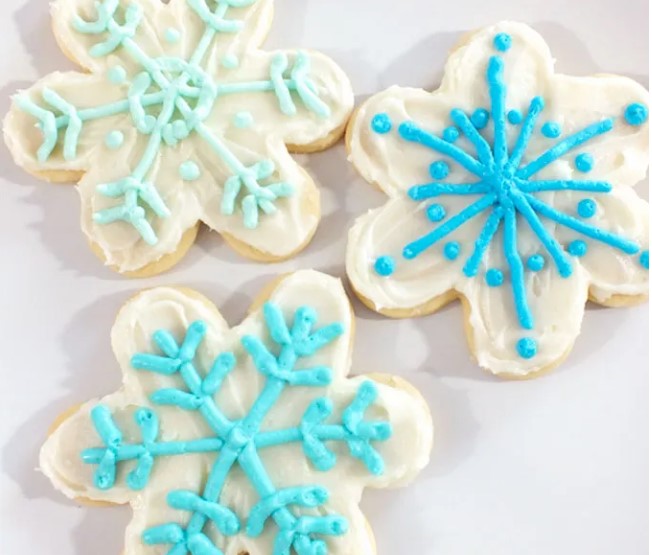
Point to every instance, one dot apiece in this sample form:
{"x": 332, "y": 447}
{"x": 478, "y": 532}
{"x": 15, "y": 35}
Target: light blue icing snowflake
{"x": 181, "y": 119}
{"x": 528, "y": 205}
{"x": 250, "y": 440}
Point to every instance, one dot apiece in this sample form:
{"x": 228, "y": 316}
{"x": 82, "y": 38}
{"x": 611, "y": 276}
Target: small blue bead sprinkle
{"x": 439, "y": 169}
{"x": 436, "y": 212}
{"x": 494, "y": 277}
{"x": 526, "y": 347}
{"x": 536, "y": 262}
{"x": 480, "y": 118}
{"x": 645, "y": 259}
{"x": 381, "y": 124}
{"x": 514, "y": 117}
{"x": 384, "y": 266}
{"x": 584, "y": 162}
{"x": 502, "y": 42}
{"x": 551, "y": 129}
{"x": 452, "y": 250}
{"x": 451, "y": 134}
{"x": 577, "y": 248}
{"x": 636, "y": 114}
{"x": 586, "y": 208}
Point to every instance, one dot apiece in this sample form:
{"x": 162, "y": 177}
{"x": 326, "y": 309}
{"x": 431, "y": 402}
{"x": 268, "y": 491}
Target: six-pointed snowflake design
{"x": 243, "y": 452}
{"x": 518, "y": 208}
{"x": 193, "y": 92}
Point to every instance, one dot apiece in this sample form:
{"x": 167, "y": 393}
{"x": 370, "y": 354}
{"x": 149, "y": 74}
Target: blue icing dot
{"x": 494, "y": 277}
{"x": 480, "y": 118}
{"x": 172, "y": 35}
{"x": 551, "y": 129}
{"x": 117, "y": 75}
{"x": 381, "y": 124}
{"x": 536, "y": 262}
{"x": 439, "y": 169}
{"x": 577, "y": 248}
{"x": 114, "y": 139}
{"x": 584, "y": 162}
{"x": 451, "y": 134}
{"x": 526, "y": 347}
{"x": 452, "y": 250}
{"x": 586, "y": 208}
{"x": 436, "y": 212}
{"x": 514, "y": 117}
{"x": 230, "y": 61}
{"x": 645, "y": 259}
{"x": 384, "y": 266}
{"x": 636, "y": 114}
{"x": 242, "y": 120}
{"x": 189, "y": 171}
{"x": 502, "y": 42}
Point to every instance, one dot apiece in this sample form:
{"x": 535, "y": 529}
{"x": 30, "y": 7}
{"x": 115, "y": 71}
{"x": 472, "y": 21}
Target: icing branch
{"x": 484, "y": 240}
{"x": 515, "y": 263}
{"x": 564, "y": 185}
{"x": 432, "y": 190}
{"x": 536, "y": 107}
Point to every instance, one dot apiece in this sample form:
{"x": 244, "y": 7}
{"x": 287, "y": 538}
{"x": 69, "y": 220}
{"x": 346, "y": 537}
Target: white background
{"x": 552, "y": 466}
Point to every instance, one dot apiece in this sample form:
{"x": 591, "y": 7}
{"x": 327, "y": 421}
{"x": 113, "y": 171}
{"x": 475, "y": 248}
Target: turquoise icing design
{"x": 584, "y": 162}
{"x": 114, "y": 139}
{"x": 117, "y": 75}
{"x": 502, "y": 42}
{"x": 242, "y": 120}
{"x": 168, "y": 100}
{"x": 586, "y": 208}
{"x": 636, "y": 114}
{"x": 494, "y": 277}
{"x": 296, "y": 511}
{"x": 452, "y": 250}
{"x": 504, "y": 188}
{"x": 230, "y": 61}
{"x": 172, "y": 35}
{"x": 551, "y": 130}
{"x": 644, "y": 259}
{"x": 381, "y": 124}
{"x": 526, "y": 347}
{"x": 189, "y": 171}
{"x": 385, "y": 266}
{"x": 439, "y": 169}
{"x": 436, "y": 212}
{"x": 451, "y": 134}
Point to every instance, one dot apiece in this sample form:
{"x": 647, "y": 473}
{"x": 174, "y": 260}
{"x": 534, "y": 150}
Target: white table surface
{"x": 556, "y": 466}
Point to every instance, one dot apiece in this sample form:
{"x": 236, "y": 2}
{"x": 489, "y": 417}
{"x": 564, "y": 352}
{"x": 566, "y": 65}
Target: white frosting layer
{"x": 621, "y": 158}
{"x": 405, "y": 453}
{"x": 278, "y": 234}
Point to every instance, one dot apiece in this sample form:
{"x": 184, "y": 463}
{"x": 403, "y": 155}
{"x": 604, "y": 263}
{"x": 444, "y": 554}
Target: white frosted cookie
{"x": 510, "y": 187}
{"x": 181, "y": 118}
{"x": 246, "y": 440}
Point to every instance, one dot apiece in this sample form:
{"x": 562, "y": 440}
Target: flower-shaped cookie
{"x": 244, "y": 440}
{"x": 511, "y": 188}
{"x": 180, "y": 119}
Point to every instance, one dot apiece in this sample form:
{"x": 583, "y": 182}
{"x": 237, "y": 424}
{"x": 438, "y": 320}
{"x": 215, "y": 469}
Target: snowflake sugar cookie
{"x": 180, "y": 119}
{"x": 244, "y": 440}
{"x": 511, "y": 188}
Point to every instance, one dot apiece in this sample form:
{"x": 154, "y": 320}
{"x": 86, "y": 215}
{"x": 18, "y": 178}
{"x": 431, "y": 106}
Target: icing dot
{"x": 584, "y": 162}
{"x": 514, "y": 117}
{"x": 230, "y": 61}
{"x": 381, "y": 124}
{"x": 172, "y": 35}
{"x": 502, "y": 42}
{"x": 117, "y": 75}
{"x": 536, "y": 262}
{"x": 384, "y": 266}
{"x": 189, "y": 171}
{"x": 243, "y": 120}
{"x": 436, "y": 212}
{"x": 586, "y": 208}
{"x": 114, "y": 139}
{"x": 480, "y": 118}
{"x": 439, "y": 169}
{"x": 494, "y": 277}
{"x": 551, "y": 129}
{"x": 636, "y": 114}
{"x": 577, "y": 248}
{"x": 452, "y": 250}
{"x": 526, "y": 347}
{"x": 451, "y": 134}
{"x": 645, "y": 259}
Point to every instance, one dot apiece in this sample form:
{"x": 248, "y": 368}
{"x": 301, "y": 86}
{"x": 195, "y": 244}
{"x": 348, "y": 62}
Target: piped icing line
{"x": 194, "y": 375}
{"x": 501, "y": 193}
